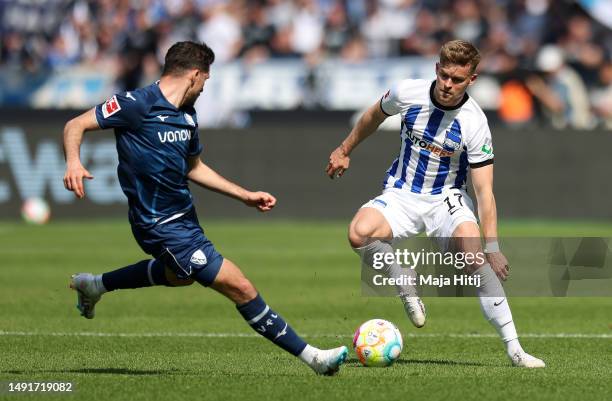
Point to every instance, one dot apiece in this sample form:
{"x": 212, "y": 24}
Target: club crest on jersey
{"x": 452, "y": 142}
{"x": 110, "y": 107}
{"x": 189, "y": 120}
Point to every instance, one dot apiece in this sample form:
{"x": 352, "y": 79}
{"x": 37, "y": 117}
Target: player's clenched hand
{"x": 73, "y": 179}
{"x": 499, "y": 264}
{"x": 263, "y": 201}
{"x": 338, "y": 163}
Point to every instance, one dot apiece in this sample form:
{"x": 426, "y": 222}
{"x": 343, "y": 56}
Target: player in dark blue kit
{"x": 157, "y": 138}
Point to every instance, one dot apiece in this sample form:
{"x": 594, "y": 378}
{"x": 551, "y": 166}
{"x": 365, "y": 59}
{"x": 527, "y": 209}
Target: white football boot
{"x": 524, "y": 360}
{"x": 88, "y": 293}
{"x": 327, "y": 361}
{"x": 415, "y": 309}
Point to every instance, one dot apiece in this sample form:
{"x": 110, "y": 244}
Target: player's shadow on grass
{"x": 425, "y": 362}
{"x": 104, "y": 371}
{"x": 437, "y": 362}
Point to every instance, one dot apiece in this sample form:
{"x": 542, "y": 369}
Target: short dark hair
{"x": 183, "y": 56}
{"x": 459, "y": 52}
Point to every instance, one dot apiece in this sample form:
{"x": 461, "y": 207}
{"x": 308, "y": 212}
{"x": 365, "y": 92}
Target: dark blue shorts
{"x": 182, "y": 246}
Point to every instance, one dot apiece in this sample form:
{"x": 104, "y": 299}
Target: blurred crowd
{"x": 548, "y": 57}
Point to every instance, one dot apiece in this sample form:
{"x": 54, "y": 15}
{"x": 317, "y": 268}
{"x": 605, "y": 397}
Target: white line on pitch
{"x": 246, "y": 335}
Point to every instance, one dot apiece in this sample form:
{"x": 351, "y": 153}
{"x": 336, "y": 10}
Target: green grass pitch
{"x": 190, "y": 343}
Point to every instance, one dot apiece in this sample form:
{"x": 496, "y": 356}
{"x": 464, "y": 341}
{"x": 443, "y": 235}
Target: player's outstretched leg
{"x": 234, "y": 285}
{"x": 367, "y": 234}
{"x": 145, "y": 273}
{"x": 496, "y": 310}
{"x": 492, "y": 298}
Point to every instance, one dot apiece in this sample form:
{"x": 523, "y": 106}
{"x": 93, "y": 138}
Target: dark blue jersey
{"x": 154, "y": 142}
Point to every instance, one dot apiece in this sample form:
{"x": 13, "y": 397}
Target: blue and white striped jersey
{"x": 438, "y": 143}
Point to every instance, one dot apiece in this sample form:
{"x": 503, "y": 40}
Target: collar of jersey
{"x": 447, "y": 108}
{"x": 161, "y": 99}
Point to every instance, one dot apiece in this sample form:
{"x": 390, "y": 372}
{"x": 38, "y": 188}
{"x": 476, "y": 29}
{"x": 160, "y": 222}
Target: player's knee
{"x": 355, "y": 239}
{"x": 243, "y": 290}
{"x": 359, "y": 233}
{"x": 233, "y": 284}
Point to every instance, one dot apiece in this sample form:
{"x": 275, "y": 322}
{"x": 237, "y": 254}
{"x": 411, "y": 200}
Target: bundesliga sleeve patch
{"x": 110, "y": 107}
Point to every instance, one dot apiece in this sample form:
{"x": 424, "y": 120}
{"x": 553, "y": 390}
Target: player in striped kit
{"x": 444, "y": 134}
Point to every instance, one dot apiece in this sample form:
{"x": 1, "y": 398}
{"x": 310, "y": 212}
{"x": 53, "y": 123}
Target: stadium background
{"x": 289, "y": 80}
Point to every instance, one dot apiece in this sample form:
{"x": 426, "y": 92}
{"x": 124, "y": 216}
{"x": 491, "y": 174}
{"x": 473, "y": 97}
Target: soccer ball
{"x": 35, "y": 211}
{"x": 377, "y": 342}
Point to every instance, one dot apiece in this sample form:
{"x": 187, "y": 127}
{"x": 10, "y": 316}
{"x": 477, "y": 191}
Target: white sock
{"x": 513, "y": 347}
{"x": 495, "y": 308}
{"x": 308, "y": 354}
{"x": 392, "y": 270}
{"x": 99, "y": 284}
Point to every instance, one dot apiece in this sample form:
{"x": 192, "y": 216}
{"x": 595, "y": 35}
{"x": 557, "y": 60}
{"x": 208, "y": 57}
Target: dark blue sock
{"x": 270, "y": 325}
{"x": 142, "y": 274}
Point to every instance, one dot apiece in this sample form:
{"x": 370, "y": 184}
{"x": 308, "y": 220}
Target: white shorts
{"x": 410, "y": 214}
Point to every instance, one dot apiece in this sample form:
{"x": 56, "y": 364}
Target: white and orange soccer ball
{"x": 35, "y": 211}
{"x": 377, "y": 342}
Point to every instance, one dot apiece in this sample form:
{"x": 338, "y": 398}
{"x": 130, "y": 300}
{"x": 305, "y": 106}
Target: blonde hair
{"x": 459, "y": 52}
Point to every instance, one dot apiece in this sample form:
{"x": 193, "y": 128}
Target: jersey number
{"x": 453, "y": 204}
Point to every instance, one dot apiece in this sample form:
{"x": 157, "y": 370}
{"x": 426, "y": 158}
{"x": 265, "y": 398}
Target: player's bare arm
{"x": 482, "y": 180}
{"x": 339, "y": 159}
{"x": 206, "y": 177}
{"x": 73, "y": 136}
